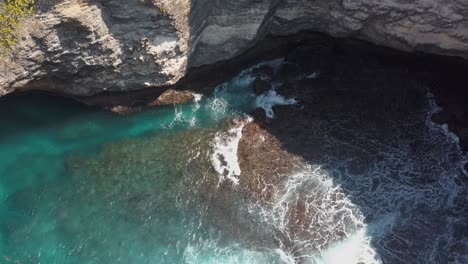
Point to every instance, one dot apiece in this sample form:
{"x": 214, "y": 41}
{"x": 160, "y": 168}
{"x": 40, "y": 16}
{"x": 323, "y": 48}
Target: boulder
{"x": 173, "y": 97}
{"x": 124, "y": 110}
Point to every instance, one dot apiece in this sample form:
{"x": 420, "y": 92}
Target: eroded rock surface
{"x": 173, "y": 97}
{"x": 85, "y": 47}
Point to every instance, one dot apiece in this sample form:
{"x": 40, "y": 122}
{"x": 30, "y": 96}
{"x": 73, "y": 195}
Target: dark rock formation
{"x": 171, "y": 97}
{"x": 264, "y": 72}
{"x": 123, "y": 110}
{"x": 261, "y": 86}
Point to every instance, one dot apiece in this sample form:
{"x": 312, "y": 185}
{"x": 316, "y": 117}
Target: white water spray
{"x": 270, "y": 99}
{"x": 224, "y": 157}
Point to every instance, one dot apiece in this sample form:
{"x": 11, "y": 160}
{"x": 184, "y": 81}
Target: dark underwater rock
{"x": 261, "y": 86}
{"x": 264, "y": 71}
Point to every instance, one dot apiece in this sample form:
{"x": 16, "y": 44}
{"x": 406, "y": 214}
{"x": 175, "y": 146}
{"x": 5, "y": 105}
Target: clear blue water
{"x": 82, "y": 185}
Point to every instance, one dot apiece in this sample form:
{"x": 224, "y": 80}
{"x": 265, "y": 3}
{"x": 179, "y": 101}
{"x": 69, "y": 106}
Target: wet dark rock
{"x": 260, "y": 115}
{"x": 124, "y": 110}
{"x": 290, "y": 71}
{"x": 261, "y": 86}
{"x": 264, "y": 71}
{"x": 171, "y": 97}
{"x": 466, "y": 167}
{"x": 312, "y": 58}
{"x": 442, "y": 117}
{"x": 257, "y": 144}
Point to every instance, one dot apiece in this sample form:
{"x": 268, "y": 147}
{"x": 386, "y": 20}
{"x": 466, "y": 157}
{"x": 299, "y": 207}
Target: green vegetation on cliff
{"x": 11, "y": 14}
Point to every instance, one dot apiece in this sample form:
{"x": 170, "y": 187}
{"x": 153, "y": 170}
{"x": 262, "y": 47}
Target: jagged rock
{"x": 171, "y": 97}
{"x": 86, "y": 47}
{"x": 258, "y": 144}
{"x": 124, "y": 110}
{"x": 261, "y": 86}
{"x": 93, "y": 46}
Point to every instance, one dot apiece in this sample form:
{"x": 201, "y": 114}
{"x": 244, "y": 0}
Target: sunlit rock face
{"x": 86, "y": 47}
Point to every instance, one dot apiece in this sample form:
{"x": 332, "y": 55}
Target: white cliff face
{"x": 86, "y": 47}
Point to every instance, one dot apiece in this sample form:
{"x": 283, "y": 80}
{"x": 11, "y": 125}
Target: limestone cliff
{"x": 84, "y": 47}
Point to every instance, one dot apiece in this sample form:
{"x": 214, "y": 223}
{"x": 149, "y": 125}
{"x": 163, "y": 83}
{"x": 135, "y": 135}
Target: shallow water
{"x": 81, "y": 185}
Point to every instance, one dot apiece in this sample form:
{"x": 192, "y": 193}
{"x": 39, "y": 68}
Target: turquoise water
{"x": 82, "y": 185}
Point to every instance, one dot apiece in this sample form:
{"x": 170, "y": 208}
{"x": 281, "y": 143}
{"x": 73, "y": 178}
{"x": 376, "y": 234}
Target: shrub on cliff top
{"x": 11, "y": 14}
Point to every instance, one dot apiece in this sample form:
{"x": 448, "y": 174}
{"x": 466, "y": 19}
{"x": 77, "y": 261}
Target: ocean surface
{"x": 82, "y": 185}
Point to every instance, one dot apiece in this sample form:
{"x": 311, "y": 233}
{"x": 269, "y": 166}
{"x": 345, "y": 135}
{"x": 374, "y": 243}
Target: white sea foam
{"x": 178, "y": 117}
{"x": 355, "y": 249}
{"x": 224, "y": 157}
{"x": 217, "y": 108}
{"x": 434, "y": 109}
{"x": 270, "y": 99}
{"x": 285, "y": 257}
{"x": 197, "y": 97}
{"x": 329, "y": 214}
{"x": 196, "y": 101}
{"x": 192, "y": 122}
{"x": 210, "y": 252}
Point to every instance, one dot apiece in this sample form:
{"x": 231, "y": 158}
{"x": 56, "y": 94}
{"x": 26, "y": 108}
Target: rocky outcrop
{"x": 173, "y": 97}
{"x": 84, "y": 47}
